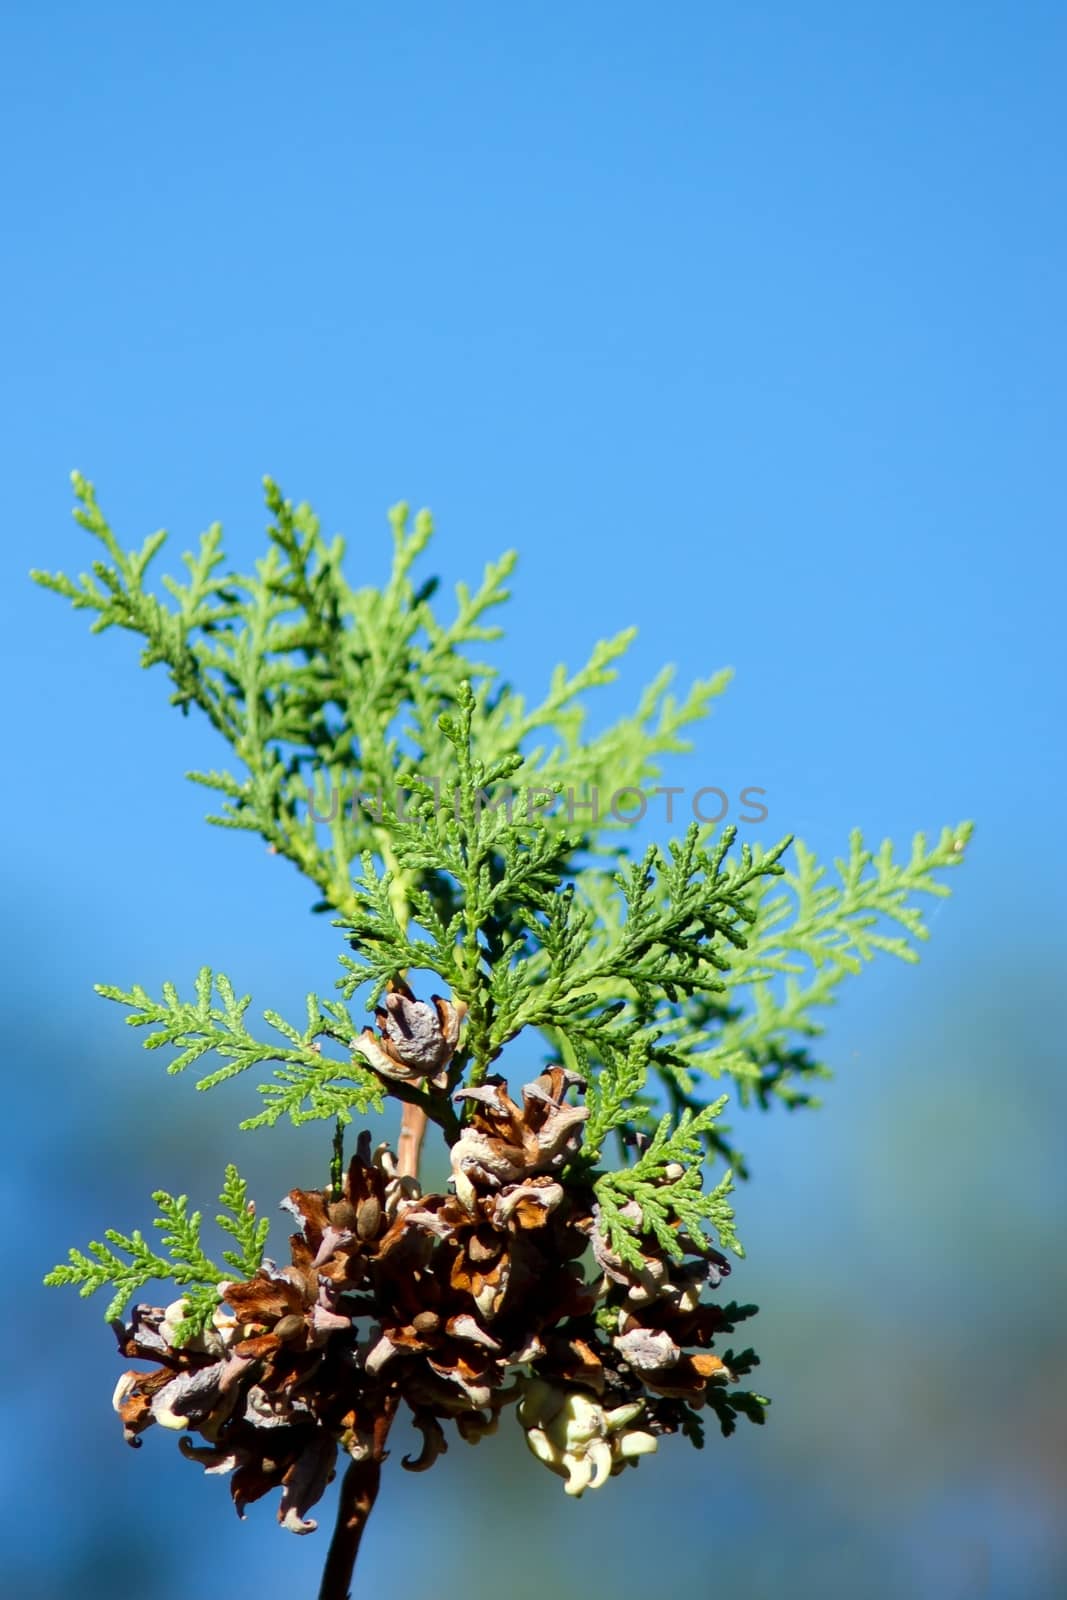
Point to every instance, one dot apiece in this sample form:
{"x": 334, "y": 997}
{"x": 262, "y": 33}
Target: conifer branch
{"x": 431, "y": 809}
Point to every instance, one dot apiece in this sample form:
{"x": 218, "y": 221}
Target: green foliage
{"x": 804, "y": 935}
{"x": 327, "y": 692}
{"x": 372, "y": 747}
{"x": 184, "y": 1262}
{"x": 812, "y": 937}
{"x": 666, "y": 1185}
{"x": 729, "y": 1404}
{"x": 239, "y": 1220}
{"x": 307, "y": 1084}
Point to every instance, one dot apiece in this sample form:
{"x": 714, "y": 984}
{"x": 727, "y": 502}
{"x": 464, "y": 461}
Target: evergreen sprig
{"x": 434, "y": 811}
{"x": 802, "y": 944}
{"x": 184, "y": 1262}
{"x": 664, "y": 1191}
{"x": 327, "y": 693}
{"x": 307, "y": 1084}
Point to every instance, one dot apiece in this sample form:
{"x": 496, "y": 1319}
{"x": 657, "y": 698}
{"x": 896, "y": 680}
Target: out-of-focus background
{"x": 744, "y": 323}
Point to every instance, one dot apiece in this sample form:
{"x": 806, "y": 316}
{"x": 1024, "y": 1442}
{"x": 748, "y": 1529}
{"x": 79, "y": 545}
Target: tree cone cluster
{"x": 452, "y": 1305}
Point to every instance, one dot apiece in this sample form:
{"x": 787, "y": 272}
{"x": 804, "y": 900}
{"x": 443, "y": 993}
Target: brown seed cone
{"x": 454, "y": 1304}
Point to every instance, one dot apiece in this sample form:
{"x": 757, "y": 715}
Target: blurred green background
{"x": 745, "y": 324}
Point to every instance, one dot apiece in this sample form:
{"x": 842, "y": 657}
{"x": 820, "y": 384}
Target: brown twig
{"x": 409, "y": 1144}
{"x": 359, "y": 1491}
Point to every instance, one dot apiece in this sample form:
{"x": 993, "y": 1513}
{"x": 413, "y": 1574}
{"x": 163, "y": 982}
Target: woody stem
{"x": 409, "y": 1144}
{"x": 359, "y": 1490}
{"x": 412, "y": 1117}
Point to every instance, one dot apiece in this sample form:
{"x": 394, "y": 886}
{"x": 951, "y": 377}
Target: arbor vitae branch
{"x": 570, "y": 1272}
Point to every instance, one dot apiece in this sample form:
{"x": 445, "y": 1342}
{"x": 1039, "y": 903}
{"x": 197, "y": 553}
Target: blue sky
{"x": 743, "y": 323}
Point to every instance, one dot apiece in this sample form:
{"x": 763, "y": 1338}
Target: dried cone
{"x": 453, "y": 1304}
{"x": 416, "y": 1039}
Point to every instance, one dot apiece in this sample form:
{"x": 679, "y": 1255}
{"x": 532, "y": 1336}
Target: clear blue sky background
{"x": 744, "y": 323}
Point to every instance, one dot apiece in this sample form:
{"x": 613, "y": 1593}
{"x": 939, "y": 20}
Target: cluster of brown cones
{"x": 454, "y": 1305}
